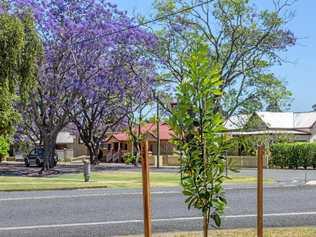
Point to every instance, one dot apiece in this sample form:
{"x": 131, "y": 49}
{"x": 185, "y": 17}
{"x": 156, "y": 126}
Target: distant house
{"x": 65, "y": 140}
{"x": 300, "y": 125}
{"x": 69, "y": 146}
{"x": 274, "y": 126}
{"x": 118, "y": 144}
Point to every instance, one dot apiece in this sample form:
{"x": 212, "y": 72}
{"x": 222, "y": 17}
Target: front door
{"x": 115, "y": 147}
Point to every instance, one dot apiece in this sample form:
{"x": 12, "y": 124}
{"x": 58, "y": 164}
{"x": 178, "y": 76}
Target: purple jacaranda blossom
{"x": 94, "y": 60}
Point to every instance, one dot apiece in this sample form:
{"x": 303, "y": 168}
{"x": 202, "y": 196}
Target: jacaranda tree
{"x": 107, "y": 108}
{"x": 86, "y": 45}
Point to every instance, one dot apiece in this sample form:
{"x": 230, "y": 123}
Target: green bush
{"x": 4, "y": 147}
{"x": 129, "y": 159}
{"x": 293, "y": 155}
{"x": 313, "y": 155}
{"x": 279, "y": 155}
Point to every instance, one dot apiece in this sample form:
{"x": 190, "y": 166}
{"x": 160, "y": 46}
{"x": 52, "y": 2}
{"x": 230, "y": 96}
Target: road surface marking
{"x": 84, "y": 195}
{"x": 122, "y": 193}
{"x": 141, "y": 221}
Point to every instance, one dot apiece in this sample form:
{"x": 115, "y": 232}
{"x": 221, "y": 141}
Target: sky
{"x": 300, "y": 73}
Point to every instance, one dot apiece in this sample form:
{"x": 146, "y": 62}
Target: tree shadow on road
{"x": 18, "y": 169}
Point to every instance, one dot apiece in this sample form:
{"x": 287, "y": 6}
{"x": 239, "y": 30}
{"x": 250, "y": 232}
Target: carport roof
{"x": 268, "y": 132}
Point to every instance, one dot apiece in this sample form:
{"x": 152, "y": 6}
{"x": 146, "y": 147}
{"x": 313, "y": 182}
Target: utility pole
{"x": 158, "y": 130}
{"x": 146, "y": 190}
{"x": 260, "y": 162}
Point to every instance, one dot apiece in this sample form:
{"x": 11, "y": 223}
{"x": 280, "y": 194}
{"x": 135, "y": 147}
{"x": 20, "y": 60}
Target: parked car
{"x": 36, "y": 158}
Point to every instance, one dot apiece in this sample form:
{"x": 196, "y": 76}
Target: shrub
{"x": 293, "y": 155}
{"x": 279, "y": 153}
{"x": 305, "y": 152}
{"x": 313, "y": 155}
{"x": 4, "y": 147}
{"x": 129, "y": 159}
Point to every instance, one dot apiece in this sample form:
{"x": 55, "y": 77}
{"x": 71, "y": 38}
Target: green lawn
{"x": 273, "y": 232}
{"x": 111, "y": 179}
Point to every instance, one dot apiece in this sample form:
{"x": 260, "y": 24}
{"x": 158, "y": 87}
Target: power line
{"x": 143, "y": 24}
{"x": 148, "y": 22}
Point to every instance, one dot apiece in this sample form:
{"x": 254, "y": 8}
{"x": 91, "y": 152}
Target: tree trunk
{"x": 49, "y": 145}
{"x": 93, "y": 153}
{"x": 138, "y": 154}
{"x": 205, "y": 161}
{"x": 205, "y": 225}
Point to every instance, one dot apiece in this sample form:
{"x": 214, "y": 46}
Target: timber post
{"x": 146, "y": 190}
{"x": 260, "y": 162}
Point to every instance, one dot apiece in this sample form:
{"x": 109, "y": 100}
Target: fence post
{"x": 260, "y": 162}
{"x": 146, "y": 190}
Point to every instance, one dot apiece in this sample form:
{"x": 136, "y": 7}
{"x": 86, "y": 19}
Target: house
{"x": 69, "y": 146}
{"x": 296, "y": 126}
{"x": 267, "y": 127}
{"x": 119, "y": 144}
{"x": 65, "y": 140}
{"x": 301, "y": 126}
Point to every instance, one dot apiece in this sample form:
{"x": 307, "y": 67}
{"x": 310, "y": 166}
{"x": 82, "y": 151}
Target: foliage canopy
{"x": 198, "y": 136}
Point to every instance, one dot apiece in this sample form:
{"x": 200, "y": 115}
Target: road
{"x": 82, "y": 213}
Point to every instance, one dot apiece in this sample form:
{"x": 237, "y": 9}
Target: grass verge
{"x": 272, "y": 232}
{"x": 110, "y": 179}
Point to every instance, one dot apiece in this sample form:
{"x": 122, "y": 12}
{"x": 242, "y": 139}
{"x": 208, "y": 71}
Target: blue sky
{"x": 300, "y": 73}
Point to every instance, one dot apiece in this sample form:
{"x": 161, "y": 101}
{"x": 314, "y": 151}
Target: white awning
{"x": 267, "y": 132}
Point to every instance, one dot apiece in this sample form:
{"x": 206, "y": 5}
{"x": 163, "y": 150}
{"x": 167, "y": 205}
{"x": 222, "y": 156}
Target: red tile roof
{"x": 121, "y": 136}
{"x": 165, "y": 132}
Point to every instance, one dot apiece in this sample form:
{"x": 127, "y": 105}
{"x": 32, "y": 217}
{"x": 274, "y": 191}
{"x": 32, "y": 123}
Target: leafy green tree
{"x": 244, "y": 41}
{"x": 198, "y": 136}
{"x": 20, "y": 48}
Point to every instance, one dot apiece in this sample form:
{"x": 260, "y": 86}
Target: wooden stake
{"x": 260, "y": 191}
{"x": 146, "y": 190}
{"x": 158, "y": 132}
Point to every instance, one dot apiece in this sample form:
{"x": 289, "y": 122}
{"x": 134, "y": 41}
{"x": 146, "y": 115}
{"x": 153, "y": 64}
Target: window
{"x": 109, "y": 147}
{"x": 123, "y": 146}
{"x": 33, "y": 152}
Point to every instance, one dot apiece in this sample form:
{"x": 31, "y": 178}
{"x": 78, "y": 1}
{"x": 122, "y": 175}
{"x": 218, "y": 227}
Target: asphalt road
{"x": 84, "y": 213}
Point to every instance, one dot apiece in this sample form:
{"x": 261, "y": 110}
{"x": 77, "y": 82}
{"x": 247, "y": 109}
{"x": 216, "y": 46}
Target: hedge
{"x": 293, "y": 155}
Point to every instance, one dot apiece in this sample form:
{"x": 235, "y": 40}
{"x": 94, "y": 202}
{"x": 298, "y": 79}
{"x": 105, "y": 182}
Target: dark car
{"x": 36, "y": 158}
